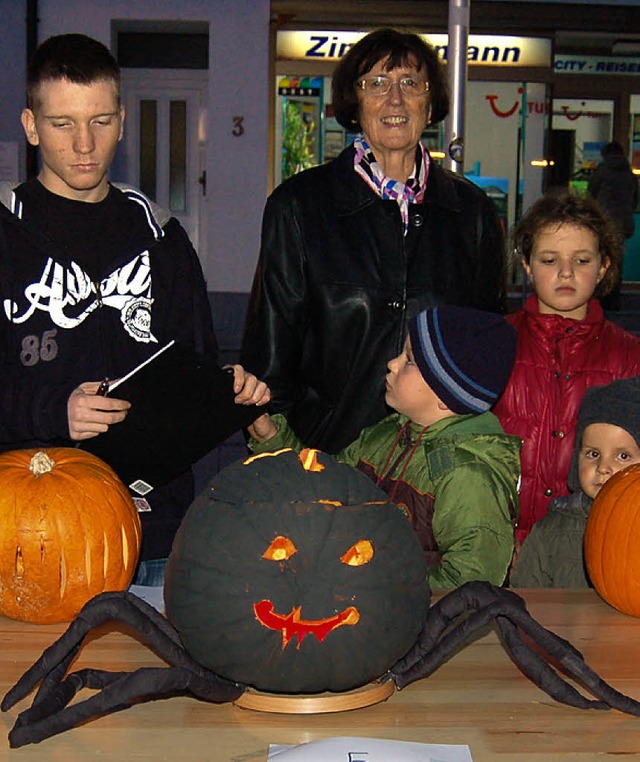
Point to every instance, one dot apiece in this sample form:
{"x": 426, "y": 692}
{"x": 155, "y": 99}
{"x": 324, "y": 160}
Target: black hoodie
{"x": 60, "y": 326}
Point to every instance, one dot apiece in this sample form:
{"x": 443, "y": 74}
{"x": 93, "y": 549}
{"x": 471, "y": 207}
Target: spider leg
{"x": 490, "y": 604}
{"x": 124, "y": 607}
{"x": 99, "y": 610}
{"x": 49, "y": 713}
{"x": 453, "y": 608}
{"x": 539, "y": 672}
{"x": 435, "y": 646}
{"x": 117, "y": 691}
{"x": 571, "y": 661}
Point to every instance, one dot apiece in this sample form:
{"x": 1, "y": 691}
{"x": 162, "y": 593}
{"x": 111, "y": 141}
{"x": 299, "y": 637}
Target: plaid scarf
{"x": 411, "y": 192}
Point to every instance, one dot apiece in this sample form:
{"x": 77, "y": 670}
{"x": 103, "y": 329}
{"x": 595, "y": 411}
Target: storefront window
{"x": 505, "y": 129}
{"x": 579, "y": 129}
{"x": 299, "y": 120}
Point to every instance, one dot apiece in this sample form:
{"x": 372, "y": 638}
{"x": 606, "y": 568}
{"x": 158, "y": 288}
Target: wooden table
{"x": 479, "y": 698}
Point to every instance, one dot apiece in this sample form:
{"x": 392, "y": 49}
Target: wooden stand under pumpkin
{"x": 321, "y": 703}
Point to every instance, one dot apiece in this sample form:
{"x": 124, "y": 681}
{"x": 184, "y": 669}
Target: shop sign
{"x": 300, "y": 86}
{"x": 572, "y": 110}
{"x": 482, "y": 49}
{"x": 596, "y": 65}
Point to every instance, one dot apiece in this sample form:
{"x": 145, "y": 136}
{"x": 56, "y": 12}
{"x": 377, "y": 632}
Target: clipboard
{"x": 181, "y": 408}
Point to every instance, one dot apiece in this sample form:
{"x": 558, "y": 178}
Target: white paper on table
{"x": 154, "y": 596}
{"x": 353, "y": 749}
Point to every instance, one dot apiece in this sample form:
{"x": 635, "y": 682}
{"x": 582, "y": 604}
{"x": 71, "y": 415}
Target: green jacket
{"x": 457, "y": 481}
{"x": 552, "y": 554}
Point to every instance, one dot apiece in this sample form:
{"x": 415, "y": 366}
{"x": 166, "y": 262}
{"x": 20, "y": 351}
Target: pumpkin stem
{"x": 41, "y": 463}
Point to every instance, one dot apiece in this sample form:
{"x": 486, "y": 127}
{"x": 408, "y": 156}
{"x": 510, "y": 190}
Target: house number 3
{"x": 238, "y": 126}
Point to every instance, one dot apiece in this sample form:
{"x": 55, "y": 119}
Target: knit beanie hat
{"x": 617, "y": 403}
{"x": 465, "y": 355}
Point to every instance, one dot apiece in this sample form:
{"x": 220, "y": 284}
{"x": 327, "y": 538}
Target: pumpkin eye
{"x": 280, "y": 549}
{"x": 359, "y": 554}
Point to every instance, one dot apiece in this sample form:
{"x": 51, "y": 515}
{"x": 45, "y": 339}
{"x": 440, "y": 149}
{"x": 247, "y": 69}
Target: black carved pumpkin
{"x": 295, "y": 574}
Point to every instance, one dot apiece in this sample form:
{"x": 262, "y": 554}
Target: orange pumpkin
{"x": 612, "y": 541}
{"x": 68, "y": 531}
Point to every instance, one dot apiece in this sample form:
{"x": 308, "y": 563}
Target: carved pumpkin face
{"x": 297, "y": 575}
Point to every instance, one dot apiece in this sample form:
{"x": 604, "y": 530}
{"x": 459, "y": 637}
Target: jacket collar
{"x": 156, "y": 216}
{"x": 594, "y": 315}
{"x": 437, "y": 428}
{"x": 576, "y": 503}
{"x": 11, "y": 211}
{"x": 352, "y": 194}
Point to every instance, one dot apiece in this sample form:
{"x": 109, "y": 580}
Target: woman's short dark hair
{"x": 400, "y": 49}
{"x": 76, "y": 57}
{"x": 583, "y": 211}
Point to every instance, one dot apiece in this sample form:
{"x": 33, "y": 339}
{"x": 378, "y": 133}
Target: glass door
{"x": 579, "y": 129}
{"x": 165, "y": 136}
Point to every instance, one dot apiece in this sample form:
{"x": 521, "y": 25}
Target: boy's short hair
{"x": 618, "y": 404}
{"x": 75, "y": 57}
{"x": 564, "y": 208}
{"x": 465, "y": 355}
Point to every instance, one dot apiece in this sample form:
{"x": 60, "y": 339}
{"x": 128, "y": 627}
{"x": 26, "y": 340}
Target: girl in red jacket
{"x": 572, "y": 253}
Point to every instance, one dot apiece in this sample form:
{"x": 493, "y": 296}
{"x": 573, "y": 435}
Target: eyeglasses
{"x": 381, "y": 85}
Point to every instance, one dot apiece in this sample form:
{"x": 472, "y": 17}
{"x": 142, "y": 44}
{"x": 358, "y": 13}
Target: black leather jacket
{"x": 337, "y": 282}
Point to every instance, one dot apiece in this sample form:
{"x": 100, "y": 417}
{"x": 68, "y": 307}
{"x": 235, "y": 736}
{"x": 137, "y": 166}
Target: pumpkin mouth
{"x": 291, "y": 624}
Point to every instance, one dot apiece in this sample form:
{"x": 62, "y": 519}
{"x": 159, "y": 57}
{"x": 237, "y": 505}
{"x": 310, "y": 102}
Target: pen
{"x": 103, "y": 388}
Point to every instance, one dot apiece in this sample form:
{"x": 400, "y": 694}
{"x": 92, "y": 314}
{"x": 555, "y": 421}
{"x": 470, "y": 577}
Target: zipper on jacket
{"x": 406, "y": 455}
{"x": 404, "y": 327}
{"x": 406, "y": 443}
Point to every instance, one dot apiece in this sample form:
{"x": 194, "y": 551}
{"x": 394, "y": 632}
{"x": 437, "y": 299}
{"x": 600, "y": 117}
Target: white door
{"x": 165, "y": 141}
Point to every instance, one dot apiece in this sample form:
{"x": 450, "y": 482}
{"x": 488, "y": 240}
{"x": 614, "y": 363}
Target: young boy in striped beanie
{"x": 442, "y": 456}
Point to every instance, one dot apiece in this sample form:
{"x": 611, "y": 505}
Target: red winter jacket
{"x": 557, "y": 359}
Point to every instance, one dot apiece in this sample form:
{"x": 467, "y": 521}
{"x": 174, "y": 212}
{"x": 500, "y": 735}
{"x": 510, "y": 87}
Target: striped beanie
{"x": 465, "y": 355}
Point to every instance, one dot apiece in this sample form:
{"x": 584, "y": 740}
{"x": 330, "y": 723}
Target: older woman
{"x": 353, "y": 249}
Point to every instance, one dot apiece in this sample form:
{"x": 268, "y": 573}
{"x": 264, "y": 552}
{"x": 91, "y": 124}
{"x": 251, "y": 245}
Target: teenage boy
{"x": 442, "y": 456}
{"x": 93, "y": 279}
